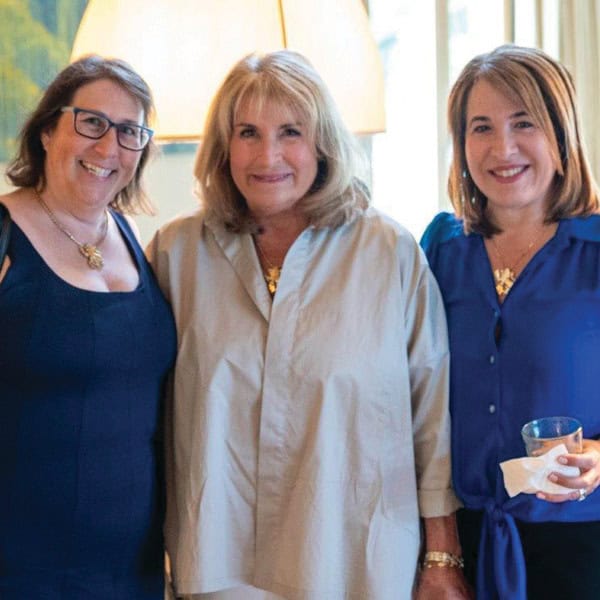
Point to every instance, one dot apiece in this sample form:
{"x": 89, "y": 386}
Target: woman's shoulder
{"x": 128, "y": 224}
{"x": 585, "y": 228}
{"x": 181, "y": 228}
{"x": 379, "y": 222}
{"x": 174, "y": 246}
{"x": 15, "y": 201}
{"x": 444, "y": 227}
{"x": 384, "y": 236}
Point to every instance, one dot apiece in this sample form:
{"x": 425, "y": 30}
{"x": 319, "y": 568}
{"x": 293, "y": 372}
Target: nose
{"x": 504, "y": 143}
{"x": 269, "y": 150}
{"x": 107, "y": 145}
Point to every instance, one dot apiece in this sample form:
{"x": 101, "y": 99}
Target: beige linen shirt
{"x": 310, "y": 431}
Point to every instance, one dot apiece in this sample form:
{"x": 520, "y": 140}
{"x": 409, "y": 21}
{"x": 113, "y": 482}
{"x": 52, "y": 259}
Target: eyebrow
{"x": 99, "y": 113}
{"x": 479, "y": 118}
{"x": 282, "y": 126}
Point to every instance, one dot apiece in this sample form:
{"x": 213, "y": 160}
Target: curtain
{"x": 580, "y": 52}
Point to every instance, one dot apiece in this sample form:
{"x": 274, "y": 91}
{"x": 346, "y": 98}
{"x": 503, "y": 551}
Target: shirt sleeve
{"x": 429, "y": 371}
{"x": 159, "y": 261}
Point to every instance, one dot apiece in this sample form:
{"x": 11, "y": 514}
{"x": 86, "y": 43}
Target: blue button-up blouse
{"x": 534, "y": 355}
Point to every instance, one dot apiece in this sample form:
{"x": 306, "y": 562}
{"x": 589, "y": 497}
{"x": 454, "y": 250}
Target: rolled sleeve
{"x": 429, "y": 365}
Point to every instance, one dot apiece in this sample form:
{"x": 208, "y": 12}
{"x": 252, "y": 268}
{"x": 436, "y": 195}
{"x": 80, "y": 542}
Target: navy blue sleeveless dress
{"x": 82, "y": 375}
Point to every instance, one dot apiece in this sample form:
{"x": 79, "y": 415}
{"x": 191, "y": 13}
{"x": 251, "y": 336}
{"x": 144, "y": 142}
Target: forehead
{"x": 485, "y": 98}
{"x": 267, "y": 111}
{"x": 110, "y": 98}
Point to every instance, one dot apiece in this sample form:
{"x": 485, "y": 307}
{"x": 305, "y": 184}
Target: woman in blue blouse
{"x": 519, "y": 268}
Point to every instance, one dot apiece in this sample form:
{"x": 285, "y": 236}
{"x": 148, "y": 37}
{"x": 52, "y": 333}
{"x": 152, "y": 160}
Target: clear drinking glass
{"x": 542, "y": 434}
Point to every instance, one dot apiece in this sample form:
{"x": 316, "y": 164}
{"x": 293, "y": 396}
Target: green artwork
{"x": 35, "y": 44}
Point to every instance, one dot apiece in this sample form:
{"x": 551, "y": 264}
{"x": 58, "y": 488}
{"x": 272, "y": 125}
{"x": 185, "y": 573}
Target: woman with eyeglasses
{"x": 87, "y": 340}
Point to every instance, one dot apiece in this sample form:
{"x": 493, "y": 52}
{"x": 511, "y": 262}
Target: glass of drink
{"x": 542, "y": 434}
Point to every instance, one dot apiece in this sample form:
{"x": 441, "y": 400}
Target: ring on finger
{"x": 582, "y": 494}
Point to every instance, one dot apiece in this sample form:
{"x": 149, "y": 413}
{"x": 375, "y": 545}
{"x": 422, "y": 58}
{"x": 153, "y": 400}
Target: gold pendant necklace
{"x": 505, "y": 277}
{"x": 91, "y": 252}
{"x": 273, "y": 272}
{"x": 272, "y": 278}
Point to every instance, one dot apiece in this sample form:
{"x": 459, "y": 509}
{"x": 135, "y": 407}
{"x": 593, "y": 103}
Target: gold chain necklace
{"x": 91, "y": 252}
{"x": 273, "y": 272}
{"x": 505, "y": 277}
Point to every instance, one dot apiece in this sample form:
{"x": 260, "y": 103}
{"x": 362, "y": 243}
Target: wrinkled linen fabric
{"x": 311, "y": 430}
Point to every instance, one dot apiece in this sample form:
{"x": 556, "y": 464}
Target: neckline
{"x": 128, "y": 243}
{"x": 543, "y": 248}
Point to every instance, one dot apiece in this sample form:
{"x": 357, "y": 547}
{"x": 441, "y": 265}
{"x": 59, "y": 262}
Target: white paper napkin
{"x": 530, "y": 474}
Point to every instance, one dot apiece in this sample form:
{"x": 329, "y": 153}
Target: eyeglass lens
{"x": 95, "y": 126}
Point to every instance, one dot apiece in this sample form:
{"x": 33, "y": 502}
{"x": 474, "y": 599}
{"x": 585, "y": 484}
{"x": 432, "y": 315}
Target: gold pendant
{"x": 272, "y": 279}
{"x": 504, "y": 280}
{"x": 92, "y": 255}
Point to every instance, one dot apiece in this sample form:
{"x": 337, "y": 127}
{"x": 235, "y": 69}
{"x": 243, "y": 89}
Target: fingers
{"x": 558, "y": 498}
{"x": 574, "y": 483}
{"x": 575, "y": 496}
{"x": 589, "y": 465}
{"x": 582, "y": 486}
{"x": 588, "y": 459}
{"x": 588, "y": 462}
{"x": 587, "y": 481}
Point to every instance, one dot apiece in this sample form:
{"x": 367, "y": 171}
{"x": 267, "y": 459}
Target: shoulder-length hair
{"x": 286, "y": 78}
{"x": 545, "y": 88}
{"x": 27, "y": 168}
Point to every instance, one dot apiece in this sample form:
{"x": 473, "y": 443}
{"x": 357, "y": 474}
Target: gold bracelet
{"x": 442, "y": 559}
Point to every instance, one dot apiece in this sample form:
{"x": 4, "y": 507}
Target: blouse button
{"x": 492, "y": 359}
{"x": 492, "y": 408}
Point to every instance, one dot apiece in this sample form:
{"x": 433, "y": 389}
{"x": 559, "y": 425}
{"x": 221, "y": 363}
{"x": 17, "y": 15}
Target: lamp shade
{"x": 184, "y": 49}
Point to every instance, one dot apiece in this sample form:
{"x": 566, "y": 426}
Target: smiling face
{"x": 508, "y": 155}
{"x": 82, "y": 170}
{"x": 272, "y": 160}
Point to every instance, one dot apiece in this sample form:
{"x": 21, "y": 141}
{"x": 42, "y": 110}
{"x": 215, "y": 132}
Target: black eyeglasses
{"x": 94, "y": 125}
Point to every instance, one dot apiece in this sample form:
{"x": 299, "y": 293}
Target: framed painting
{"x": 35, "y": 44}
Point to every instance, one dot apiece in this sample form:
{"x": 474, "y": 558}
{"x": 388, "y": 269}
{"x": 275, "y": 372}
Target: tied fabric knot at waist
{"x": 501, "y": 565}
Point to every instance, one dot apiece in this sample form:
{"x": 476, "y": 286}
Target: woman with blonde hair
{"x": 518, "y": 267}
{"x": 309, "y": 426}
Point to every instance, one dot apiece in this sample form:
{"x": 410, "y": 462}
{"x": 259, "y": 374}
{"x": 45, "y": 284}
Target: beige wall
{"x": 170, "y": 184}
{"x": 4, "y": 187}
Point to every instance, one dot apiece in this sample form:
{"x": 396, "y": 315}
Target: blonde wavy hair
{"x": 545, "y": 88}
{"x": 338, "y": 193}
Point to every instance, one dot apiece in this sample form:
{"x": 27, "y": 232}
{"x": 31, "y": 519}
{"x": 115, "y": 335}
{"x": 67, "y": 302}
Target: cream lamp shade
{"x": 184, "y": 49}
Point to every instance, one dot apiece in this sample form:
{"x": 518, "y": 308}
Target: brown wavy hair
{"x": 545, "y": 88}
{"x": 27, "y": 169}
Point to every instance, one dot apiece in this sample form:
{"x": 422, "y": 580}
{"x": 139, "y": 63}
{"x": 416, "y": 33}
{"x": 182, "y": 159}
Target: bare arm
{"x": 442, "y": 582}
